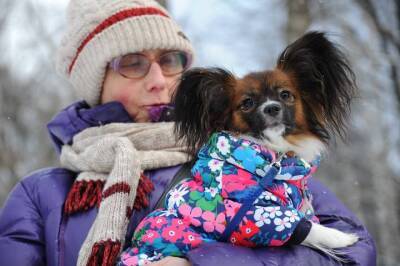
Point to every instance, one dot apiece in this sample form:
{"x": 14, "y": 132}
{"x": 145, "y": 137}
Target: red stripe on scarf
{"x": 122, "y": 15}
{"x": 116, "y": 188}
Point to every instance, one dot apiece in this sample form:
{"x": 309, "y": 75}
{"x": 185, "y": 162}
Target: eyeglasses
{"x": 135, "y": 66}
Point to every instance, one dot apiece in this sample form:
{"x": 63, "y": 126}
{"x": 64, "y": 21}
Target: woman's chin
{"x": 141, "y": 117}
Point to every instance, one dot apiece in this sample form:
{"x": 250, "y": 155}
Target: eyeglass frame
{"x": 114, "y": 63}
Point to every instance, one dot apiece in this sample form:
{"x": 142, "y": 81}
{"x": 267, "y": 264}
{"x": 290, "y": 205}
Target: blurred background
{"x": 364, "y": 171}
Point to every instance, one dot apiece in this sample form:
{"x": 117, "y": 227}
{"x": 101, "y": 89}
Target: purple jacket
{"x": 33, "y": 230}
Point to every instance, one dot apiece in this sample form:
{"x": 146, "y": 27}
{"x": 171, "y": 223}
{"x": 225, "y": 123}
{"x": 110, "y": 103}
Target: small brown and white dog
{"x": 298, "y": 107}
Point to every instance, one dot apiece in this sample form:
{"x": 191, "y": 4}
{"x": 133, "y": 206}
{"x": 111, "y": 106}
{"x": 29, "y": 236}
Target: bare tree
{"x": 390, "y": 39}
{"x": 298, "y": 19}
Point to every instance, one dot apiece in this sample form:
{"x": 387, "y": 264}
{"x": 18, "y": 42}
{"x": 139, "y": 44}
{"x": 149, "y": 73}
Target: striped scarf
{"x": 110, "y": 160}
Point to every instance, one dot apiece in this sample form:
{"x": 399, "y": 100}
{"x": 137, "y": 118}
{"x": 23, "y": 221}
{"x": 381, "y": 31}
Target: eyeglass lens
{"x": 138, "y": 65}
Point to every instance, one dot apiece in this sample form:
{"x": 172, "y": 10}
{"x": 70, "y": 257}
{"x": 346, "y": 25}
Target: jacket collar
{"x": 79, "y": 116}
{"x": 255, "y": 158}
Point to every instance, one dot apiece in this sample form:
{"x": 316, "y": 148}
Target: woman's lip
{"x": 154, "y": 105}
{"x": 162, "y": 111}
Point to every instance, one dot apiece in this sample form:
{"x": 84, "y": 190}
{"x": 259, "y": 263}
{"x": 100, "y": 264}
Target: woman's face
{"x": 140, "y": 94}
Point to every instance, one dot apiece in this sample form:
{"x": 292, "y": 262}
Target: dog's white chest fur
{"x": 307, "y": 148}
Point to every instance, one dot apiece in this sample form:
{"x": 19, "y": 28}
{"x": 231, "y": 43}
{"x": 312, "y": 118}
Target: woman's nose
{"x": 155, "y": 79}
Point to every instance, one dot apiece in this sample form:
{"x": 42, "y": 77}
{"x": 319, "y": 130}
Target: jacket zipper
{"x": 61, "y": 241}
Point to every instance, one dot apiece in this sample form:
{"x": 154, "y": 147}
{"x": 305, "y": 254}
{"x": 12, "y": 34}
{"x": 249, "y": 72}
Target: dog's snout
{"x": 273, "y": 109}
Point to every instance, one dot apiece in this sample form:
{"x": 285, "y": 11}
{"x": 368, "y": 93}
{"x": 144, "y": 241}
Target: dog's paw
{"x": 321, "y": 236}
{"x": 339, "y": 239}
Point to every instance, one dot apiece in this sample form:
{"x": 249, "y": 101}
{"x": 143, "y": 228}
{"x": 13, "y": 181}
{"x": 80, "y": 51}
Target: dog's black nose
{"x": 273, "y": 110}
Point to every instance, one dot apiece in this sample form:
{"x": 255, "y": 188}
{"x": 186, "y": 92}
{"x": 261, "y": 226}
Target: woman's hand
{"x": 171, "y": 261}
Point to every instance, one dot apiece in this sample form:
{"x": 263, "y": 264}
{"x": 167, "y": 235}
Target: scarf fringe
{"x": 104, "y": 253}
{"x": 145, "y": 186}
{"x": 83, "y": 195}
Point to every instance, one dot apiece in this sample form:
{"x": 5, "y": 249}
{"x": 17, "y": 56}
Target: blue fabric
{"x": 33, "y": 230}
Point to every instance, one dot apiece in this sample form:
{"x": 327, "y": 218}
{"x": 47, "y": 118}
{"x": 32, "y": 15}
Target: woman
{"x": 124, "y": 59}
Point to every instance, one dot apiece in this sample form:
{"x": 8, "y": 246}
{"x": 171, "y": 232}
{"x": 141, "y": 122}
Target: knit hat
{"x": 100, "y": 30}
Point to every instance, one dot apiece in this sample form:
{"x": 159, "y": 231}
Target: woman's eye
{"x": 167, "y": 60}
{"x": 286, "y": 95}
{"x": 247, "y": 104}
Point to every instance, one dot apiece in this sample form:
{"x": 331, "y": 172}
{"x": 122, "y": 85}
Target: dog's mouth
{"x": 274, "y": 124}
{"x": 273, "y": 132}
{"x": 280, "y": 128}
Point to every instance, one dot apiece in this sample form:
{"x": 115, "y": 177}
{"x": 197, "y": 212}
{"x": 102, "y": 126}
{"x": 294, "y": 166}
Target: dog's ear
{"x": 325, "y": 81}
{"x": 201, "y": 103}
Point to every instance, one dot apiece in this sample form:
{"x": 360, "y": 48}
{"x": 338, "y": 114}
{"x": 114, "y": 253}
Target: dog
{"x": 296, "y": 107}
{"x": 257, "y": 139}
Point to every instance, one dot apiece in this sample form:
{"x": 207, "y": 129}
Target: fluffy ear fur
{"x": 202, "y": 104}
{"x": 325, "y": 81}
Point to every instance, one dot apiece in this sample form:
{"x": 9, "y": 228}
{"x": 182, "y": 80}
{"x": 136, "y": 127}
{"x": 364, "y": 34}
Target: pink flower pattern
{"x": 157, "y": 222}
{"x": 192, "y": 239}
{"x": 236, "y": 182}
{"x": 172, "y": 234}
{"x": 150, "y": 236}
{"x": 212, "y": 223}
{"x": 231, "y": 208}
{"x": 191, "y": 214}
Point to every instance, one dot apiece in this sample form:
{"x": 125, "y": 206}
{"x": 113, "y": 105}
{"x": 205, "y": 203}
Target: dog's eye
{"x": 247, "y": 104}
{"x": 286, "y": 95}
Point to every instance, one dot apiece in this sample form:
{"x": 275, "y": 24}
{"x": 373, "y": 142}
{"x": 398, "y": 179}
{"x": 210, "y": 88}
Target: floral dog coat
{"x": 239, "y": 192}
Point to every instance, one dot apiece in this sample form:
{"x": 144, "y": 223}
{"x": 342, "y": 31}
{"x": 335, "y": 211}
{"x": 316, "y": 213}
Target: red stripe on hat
{"x": 134, "y": 12}
{"x": 116, "y": 188}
